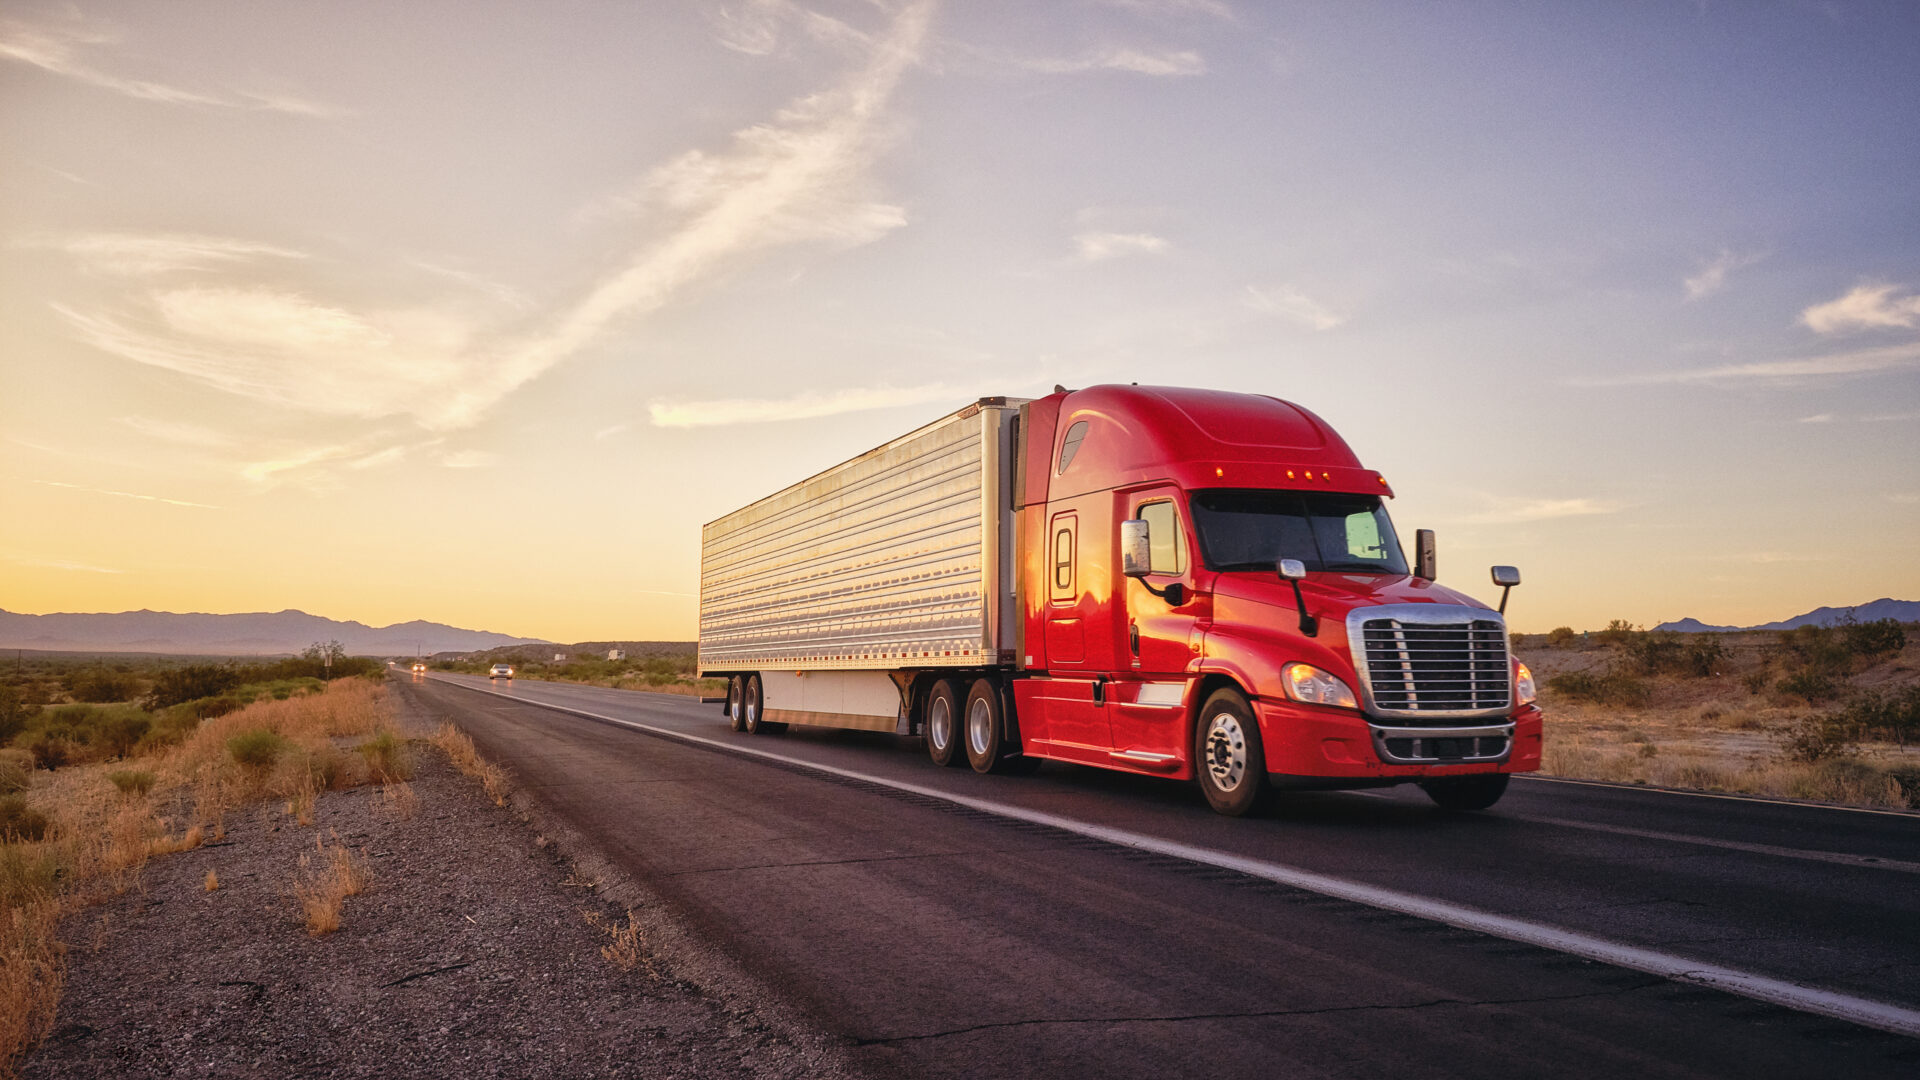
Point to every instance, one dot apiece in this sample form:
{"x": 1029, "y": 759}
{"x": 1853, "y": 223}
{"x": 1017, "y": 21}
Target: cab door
{"x": 1159, "y": 636}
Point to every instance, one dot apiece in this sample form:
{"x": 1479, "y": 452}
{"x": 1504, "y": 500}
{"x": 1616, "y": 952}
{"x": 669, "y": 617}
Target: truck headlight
{"x": 1524, "y": 691}
{"x": 1304, "y": 682}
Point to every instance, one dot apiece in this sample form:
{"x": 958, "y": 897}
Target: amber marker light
{"x": 1218, "y": 471}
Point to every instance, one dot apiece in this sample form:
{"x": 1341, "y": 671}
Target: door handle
{"x": 1133, "y": 637}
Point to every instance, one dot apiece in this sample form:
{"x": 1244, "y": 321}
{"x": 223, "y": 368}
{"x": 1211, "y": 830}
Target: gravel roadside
{"x": 476, "y": 951}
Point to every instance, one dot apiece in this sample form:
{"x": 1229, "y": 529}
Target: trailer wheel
{"x": 985, "y": 727}
{"x": 942, "y": 729}
{"x": 1228, "y": 758}
{"x": 1466, "y": 792}
{"x": 736, "y": 703}
{"x": 750, "y": 706}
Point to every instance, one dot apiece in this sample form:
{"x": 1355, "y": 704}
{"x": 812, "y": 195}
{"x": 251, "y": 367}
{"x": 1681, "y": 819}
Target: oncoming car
{"x": 419, "y": 669}
{"x": 500, "y": 671}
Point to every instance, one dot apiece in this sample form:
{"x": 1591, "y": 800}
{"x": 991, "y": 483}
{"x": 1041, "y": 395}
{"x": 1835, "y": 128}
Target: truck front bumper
{"x": 1309, "y": 742}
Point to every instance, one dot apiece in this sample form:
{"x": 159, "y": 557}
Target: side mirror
{"x": 1424, "y": 556}
{"x": 1293, "y": 571}
{"x": 1506, "y": 577}
{"x": 1136, "y": 550}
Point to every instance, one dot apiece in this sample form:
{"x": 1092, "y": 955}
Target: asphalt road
{"x": 944, "y": 939}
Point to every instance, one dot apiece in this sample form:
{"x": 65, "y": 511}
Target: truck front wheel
{"x": 1466, "y": 792}
{"x": 942, "y": 727}
{"x": 1227, "y": 756}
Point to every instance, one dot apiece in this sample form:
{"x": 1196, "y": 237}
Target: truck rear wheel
{"x": 750, "y": 706}
{"x": 986, "y": 725}
{"x": 942, "y": 727}
{"x": 1466, "y": 792}
{"x": 1228, "y": 758}
{"x": 736, "y": 703}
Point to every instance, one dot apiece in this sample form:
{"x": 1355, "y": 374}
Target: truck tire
{"x": 1228, "y": 759}
{"x": 751, "y": 706}
{"x": 736, "y": 703}
{"x": 1466, "y": 792}
{"x": 985, "y": 727}
{"x": 942, "y": 727}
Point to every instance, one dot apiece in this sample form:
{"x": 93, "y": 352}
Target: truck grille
{"x": 1438, "y": 662}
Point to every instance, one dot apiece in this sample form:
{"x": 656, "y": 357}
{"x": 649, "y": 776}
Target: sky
{"x": 475, "y": 312}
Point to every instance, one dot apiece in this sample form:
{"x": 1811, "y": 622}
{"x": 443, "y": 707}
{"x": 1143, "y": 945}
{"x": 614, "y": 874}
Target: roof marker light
{"x": 1218, "y": 471}
{"x": 1289, "y": 474}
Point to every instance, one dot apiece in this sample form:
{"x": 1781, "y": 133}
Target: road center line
{"x": 1883, "y": 1016}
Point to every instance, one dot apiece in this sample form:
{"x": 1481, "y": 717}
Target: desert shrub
{"x": 256, "y": 749}
{"x": 1818, "y": 646}
{"x": 1654, "y": 653}
{"x": 1618, "y": 632}
{"x": 102, "y": 685}
{"x": 1758, "y": 681}
{"x": 387, "y": 758}
{"x": 177, "y": 686}
{"x": 132, "y": 781}
{"x": 14, "y": 777}
{"x": 118, "y": 734}
{"x": 13, "y": 713}
{"x": 1821, "y": 738}
{"x": 1704, "y": 656}
{"x": 1608, "y": 688}
{"x": 658, "y": 671}
{"x": 1881, "y": 637}
{"x": 1893, "y": 716}
{"x": 50, "y": 752}
{"x": 1812, "y": 683}
{"x": 1559, "y": 635}
{"x": 18, "y": 821}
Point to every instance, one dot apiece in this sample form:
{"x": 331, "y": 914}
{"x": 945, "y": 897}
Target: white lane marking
{"x": 1870, "y": 862}
{"x": 1883, "y": 1016}
{"x": 1798, "y": 803}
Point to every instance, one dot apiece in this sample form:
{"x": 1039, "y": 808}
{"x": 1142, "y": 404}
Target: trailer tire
{"x": 751, "y": 706}
{"x": 1466, "y": 792}
{"x": 736, "y": 703}
{"x": 1228, "y": 759}
{"x": 942, "y": 727}
{"x": 986, "y": 726}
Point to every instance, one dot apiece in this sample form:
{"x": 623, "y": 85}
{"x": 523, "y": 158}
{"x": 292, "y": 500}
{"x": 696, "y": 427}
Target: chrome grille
{"x": 1433, "y": 661}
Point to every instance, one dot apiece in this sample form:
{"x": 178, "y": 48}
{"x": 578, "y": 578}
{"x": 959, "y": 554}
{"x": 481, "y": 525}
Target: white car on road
{"x": 500, "y": 671}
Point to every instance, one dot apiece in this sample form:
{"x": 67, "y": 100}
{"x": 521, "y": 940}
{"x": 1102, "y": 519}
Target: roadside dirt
{"x": 471, "y": 953}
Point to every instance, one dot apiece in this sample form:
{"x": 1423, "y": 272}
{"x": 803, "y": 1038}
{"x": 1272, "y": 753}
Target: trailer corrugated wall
{"x": 891, "y": 560}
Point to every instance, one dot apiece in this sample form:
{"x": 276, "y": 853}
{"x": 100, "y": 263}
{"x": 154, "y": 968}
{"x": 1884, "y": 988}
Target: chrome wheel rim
{"x": 752, "y": 709}
{"x": 734, "y": 709}
{"x": 979, "y": 725}
{"x": 940, "y": 724}
{"x": 1226, "y": 751}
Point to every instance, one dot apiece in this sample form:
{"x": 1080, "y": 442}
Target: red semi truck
{"x": 1183, "y": 583}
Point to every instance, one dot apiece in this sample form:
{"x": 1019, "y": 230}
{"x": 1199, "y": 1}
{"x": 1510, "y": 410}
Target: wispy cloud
{"x": 807, "y": 406}
{"x": 610, "y": 431}
{"x": 757, "y": 27}
{"x": 1177, "y": 63}
{"x": 1212, "y": 9}
{"x": 469, "y": 459}
{"x": 1866, "y": 307}
{"x": 123, "y": 494}
{"x": 1817, "y": 418}
{"x": 1904, "y": 498}
{"x": 1096, "y": 246}
{"x": 1713, "y": 276}
{"x": 1506, "y": 510}
{"x": 61, "y": 564}
{"x": 178, "y": 433}
{"x": 1290, "y": 303}
{"x": 154, "y": 254}
{"x": 1834, "y": 365}
{"x": 62, "y": 49}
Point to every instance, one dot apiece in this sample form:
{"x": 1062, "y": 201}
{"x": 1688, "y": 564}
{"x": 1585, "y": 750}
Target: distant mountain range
{"x": 250, "y": 634}
{"x": 1897, "y": 610}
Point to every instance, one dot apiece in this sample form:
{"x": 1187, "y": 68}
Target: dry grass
{"x": 213, "y": 881}
{"x": 103, "y": 829}
{"x": 325, "y": 878}
{"x": 460, "y": 750}
{"x": 626, "y": 945}
{"x": 400, "y": 800}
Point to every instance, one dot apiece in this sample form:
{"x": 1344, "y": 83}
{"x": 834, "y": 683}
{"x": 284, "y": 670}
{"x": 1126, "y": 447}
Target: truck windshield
{"x": 1252, "y": 530}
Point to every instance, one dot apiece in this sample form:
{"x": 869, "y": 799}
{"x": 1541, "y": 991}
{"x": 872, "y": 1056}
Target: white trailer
{"x": 833, "y": 593}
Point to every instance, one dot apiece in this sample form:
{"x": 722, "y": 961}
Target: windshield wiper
{"x": 1365, "y": 568}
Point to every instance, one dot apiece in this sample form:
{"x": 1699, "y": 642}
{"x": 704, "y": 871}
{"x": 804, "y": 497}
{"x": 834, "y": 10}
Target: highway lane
{"x": 902, "y": 922}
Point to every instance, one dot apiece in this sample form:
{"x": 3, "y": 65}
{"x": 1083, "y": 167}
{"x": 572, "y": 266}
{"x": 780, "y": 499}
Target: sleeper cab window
{"x": 1063, "y": 559}
{"x": 1070, "y": 445}
{"x": 1166, "y": 541}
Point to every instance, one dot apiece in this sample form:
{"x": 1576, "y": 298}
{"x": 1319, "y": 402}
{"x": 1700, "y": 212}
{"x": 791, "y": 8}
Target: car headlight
{"x": 1304, "y": 682}
{"x": 1524, "y": 691}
